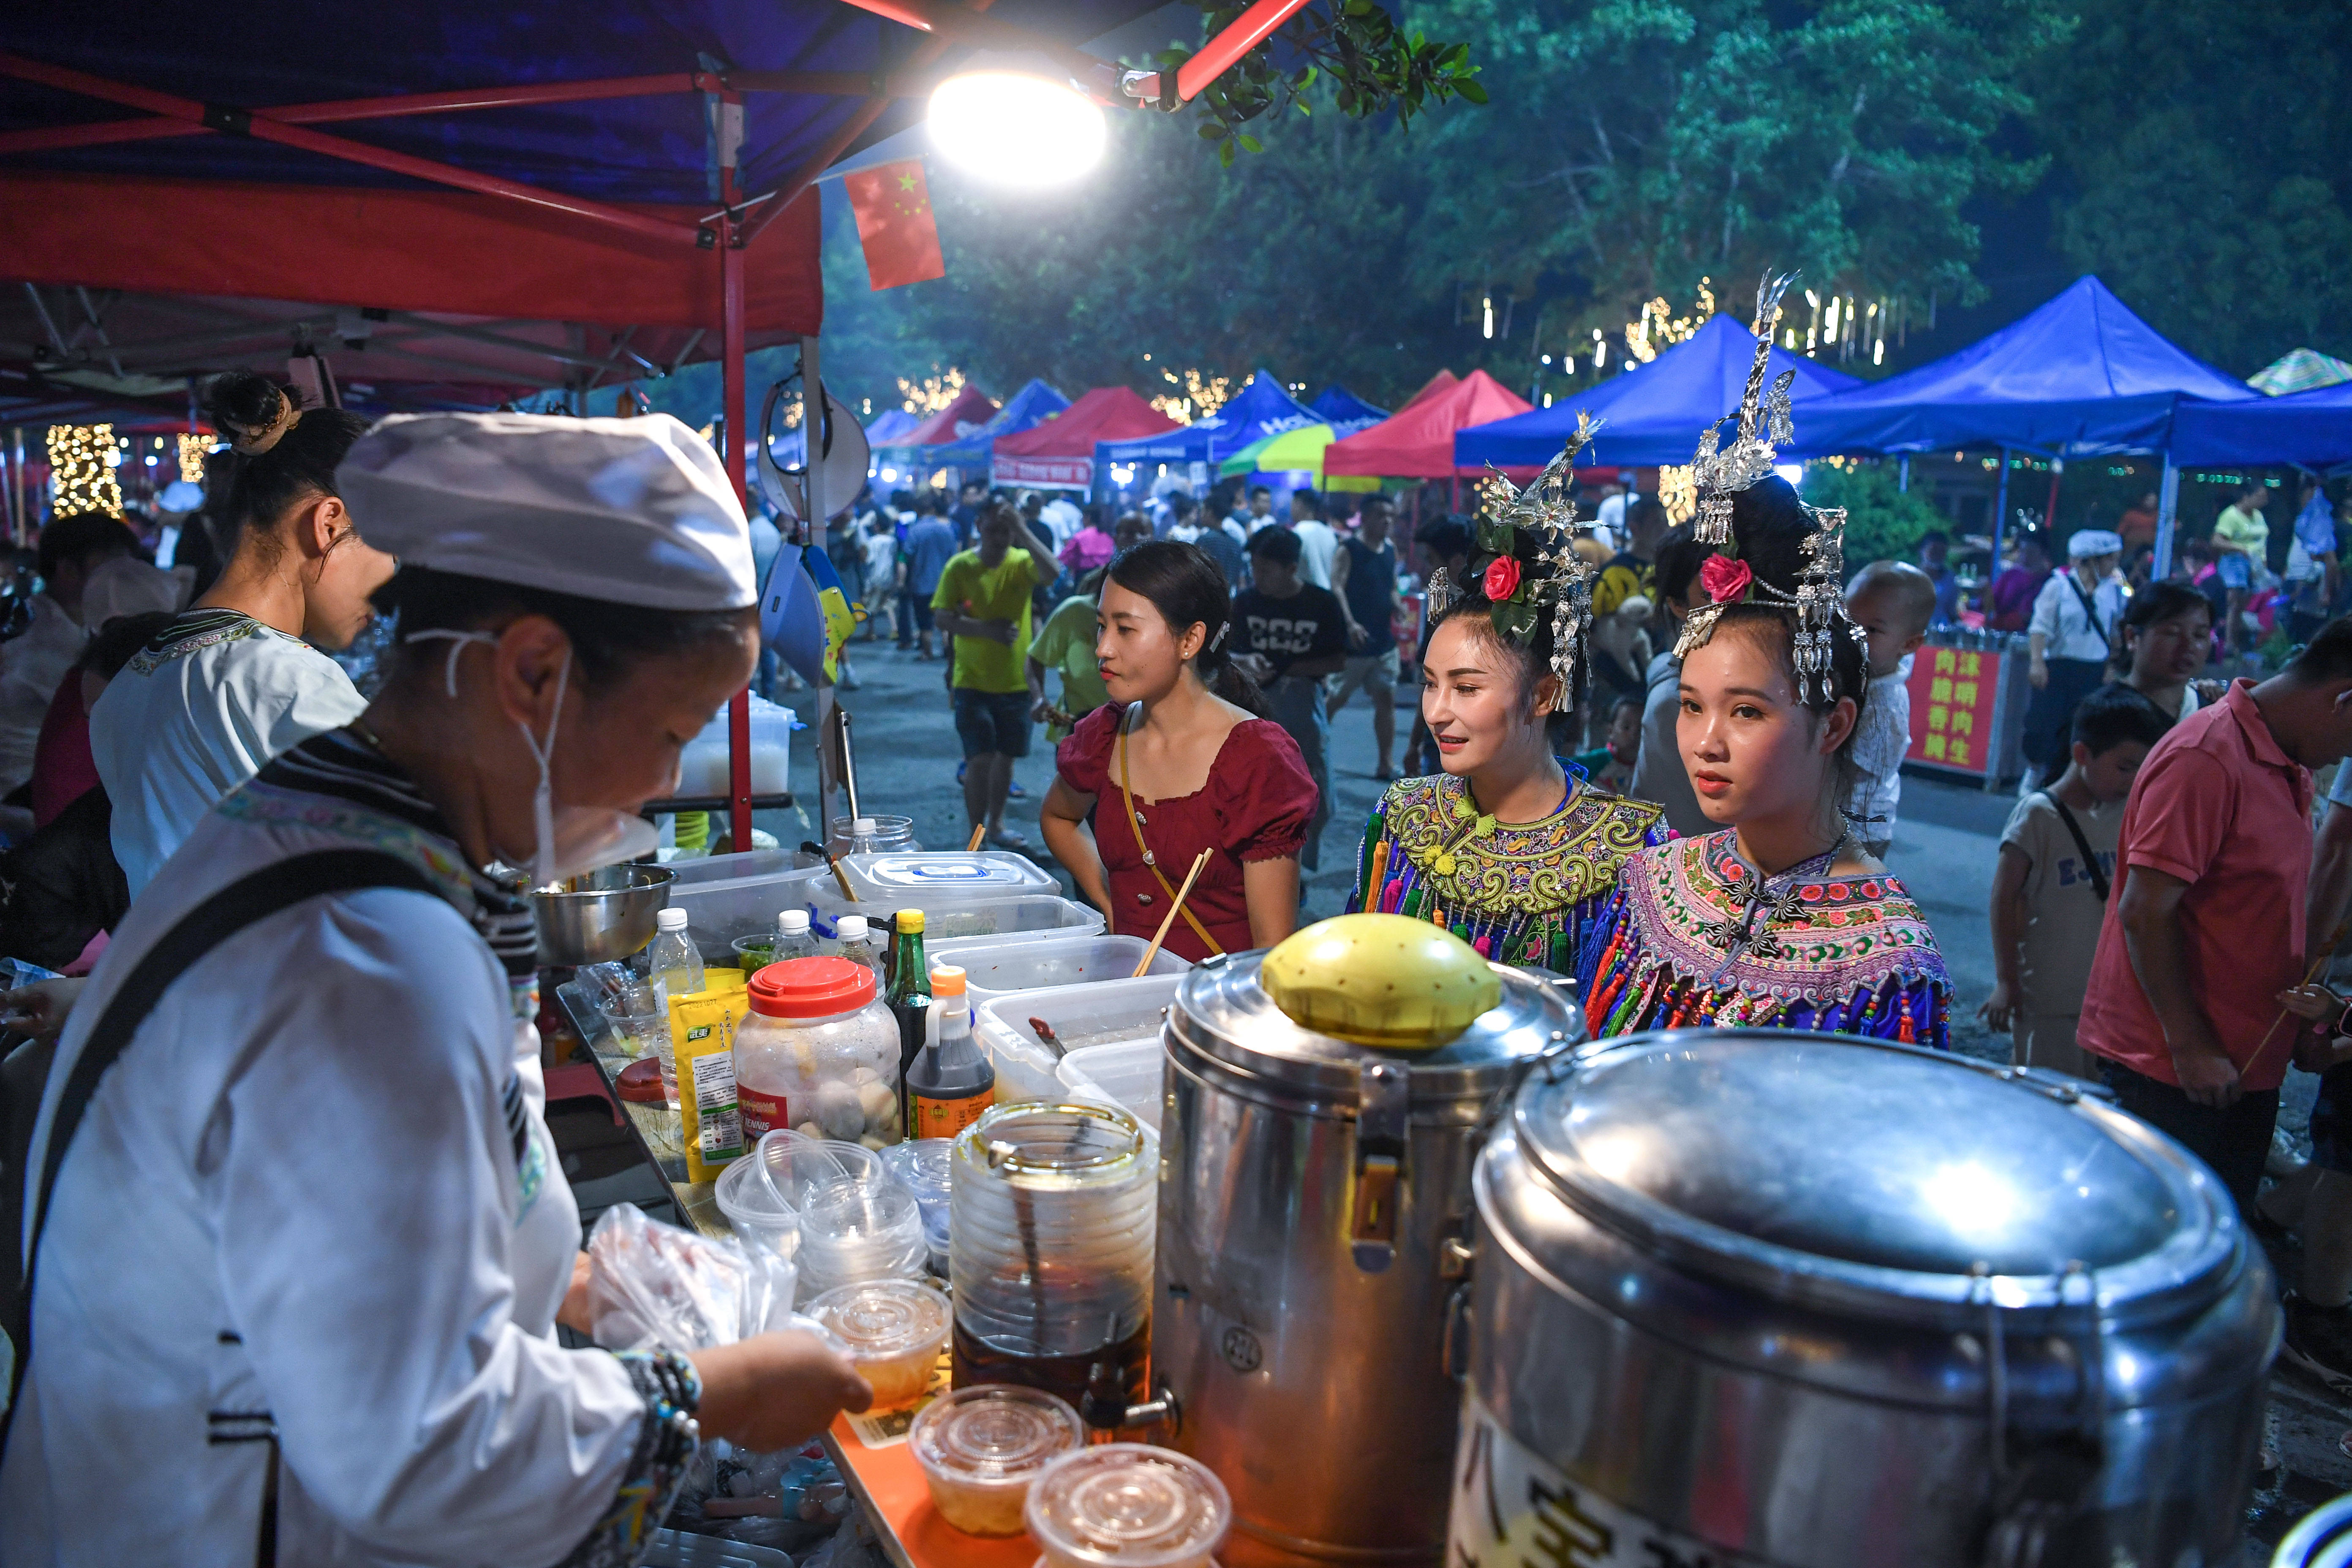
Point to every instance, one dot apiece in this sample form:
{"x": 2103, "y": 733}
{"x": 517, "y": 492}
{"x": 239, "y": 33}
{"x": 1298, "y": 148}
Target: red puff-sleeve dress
{"x": 1256, "y": 806}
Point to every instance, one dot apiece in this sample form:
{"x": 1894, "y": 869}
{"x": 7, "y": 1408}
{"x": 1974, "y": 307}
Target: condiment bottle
{"x": 794, "y": 938}
{"x": 911, "y": 991}
{"x": 951, "y": 1082}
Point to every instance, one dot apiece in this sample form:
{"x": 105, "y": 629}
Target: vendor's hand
{"x": 1358, "y": 637}
{"x": 41, "y": 1008}
{"x": 2314, "y": 1003}
{"x": 2316, "y": 1052}
{"x": 2000, "y": 1010}
{"x": 775, "y": 1391}
{"x": 575, "y": 1314}
{"x": 2206, "y": 1076}
{"x": 2038, "y": 672}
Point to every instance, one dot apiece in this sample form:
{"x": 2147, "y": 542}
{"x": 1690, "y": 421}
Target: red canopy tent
{"x": 970, "y": 409}
{"x": 1060, "y": 453}
{"x": 1417, "y": 441}
{"x": 1434, "y": 384}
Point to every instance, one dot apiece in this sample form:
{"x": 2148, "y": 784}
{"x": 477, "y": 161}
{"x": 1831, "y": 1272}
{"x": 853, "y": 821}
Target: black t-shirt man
{"x": 1286, "y": 620}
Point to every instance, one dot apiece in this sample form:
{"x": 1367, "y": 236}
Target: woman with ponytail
{"x": 1183, "y": 759}
{"x": 238, "y": 678}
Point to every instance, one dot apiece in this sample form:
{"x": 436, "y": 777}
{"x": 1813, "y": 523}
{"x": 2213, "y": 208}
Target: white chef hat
{"x": 633, "y": 511}
{"x": 2087, "y": 542}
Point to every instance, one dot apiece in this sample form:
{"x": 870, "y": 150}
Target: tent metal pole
{"x": 831, "y": 732}
{"x": 731, "y": 381}
{"x": 2168, "y": 504}
{"x": 1903, "y": 474}
{"x": 260, "y": 127}
{"x": 2000, "y": 518}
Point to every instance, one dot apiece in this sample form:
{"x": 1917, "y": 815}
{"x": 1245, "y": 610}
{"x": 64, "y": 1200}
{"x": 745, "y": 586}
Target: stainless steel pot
{"x": 1312, "y": 1194}
{"x": 1757, "y": 1297}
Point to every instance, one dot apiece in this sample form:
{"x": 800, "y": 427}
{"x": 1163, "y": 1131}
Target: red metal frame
{"x": 1253, "y": 28}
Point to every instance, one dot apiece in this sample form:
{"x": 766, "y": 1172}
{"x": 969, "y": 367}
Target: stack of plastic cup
{"x": 761, "y": 1215}
{"x": 979, "y": 1449}
{"x": 894, "y": 1329}
{"x": 1053, "y": 1209}
{"x": 924, "y": 1166}
{"x": 1125, "y": 1505}
{"x": 853, "y": 1232}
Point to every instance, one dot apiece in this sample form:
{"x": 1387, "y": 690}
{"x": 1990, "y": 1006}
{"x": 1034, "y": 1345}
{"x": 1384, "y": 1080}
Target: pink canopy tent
{"x": 1060, "y": 453}
{"x": 970, "y": 409}
{"x": 1417, "y": 442}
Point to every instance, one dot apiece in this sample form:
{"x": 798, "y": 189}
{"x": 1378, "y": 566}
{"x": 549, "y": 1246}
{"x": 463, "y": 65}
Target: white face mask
{"x": 566, "y": 840}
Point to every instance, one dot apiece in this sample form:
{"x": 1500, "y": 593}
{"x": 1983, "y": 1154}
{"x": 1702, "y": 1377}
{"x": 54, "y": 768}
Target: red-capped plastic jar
{"x": 818, "y": 1053}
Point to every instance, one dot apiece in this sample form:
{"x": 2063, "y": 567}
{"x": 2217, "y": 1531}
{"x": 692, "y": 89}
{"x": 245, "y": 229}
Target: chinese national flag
{"x": 895, "y": 223}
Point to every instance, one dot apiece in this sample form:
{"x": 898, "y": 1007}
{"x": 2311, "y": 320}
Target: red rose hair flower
{"x": 1502, "y": 579}
{"x": 1724, "y": 579}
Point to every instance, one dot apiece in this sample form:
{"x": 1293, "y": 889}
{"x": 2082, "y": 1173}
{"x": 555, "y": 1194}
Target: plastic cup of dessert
{"x": 1128, "y": 1505}
{"x": 894, "y": 1330}
{"x": 979, "y": 1449}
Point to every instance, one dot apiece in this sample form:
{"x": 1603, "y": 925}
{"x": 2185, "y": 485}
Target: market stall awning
{"x": 1260, "y": 409}
{"x": 1430, "y": 388}
{"x": 1037, "y": 400}
{"x": 966, "y": 412}
{"x": 1344, "y": 411}
{"x": 889, "y": 428}
{"x": 2303, "y": 430}
{"x": 2080, "y": 375}
{"x": 2299, "y": 370}
{"x": 1059, "y": 452}
{"x": 1417, "y": 442}
{"x": 1296, "y": 451}
{"x": 1652, "y": 413}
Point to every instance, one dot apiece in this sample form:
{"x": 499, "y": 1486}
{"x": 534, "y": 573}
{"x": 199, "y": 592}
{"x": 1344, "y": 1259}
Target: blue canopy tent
{"x": 1652, "y": 414}
{"x": 2080, "y": 376}
{"x": 2303, "y": 430}
{"x": 1261, "y": 409}
{"x": 1032, "y": 404}
{"x": 1344, "y": 411}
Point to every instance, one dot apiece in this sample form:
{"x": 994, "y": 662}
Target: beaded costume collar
{"x": 1472, "y": 860}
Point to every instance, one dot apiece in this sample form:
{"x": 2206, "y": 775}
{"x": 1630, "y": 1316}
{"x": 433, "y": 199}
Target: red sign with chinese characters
{"x": 1952, "y": 691}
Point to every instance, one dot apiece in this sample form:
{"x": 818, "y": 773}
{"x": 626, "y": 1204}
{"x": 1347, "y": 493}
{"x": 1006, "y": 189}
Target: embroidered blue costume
{"x": 1693, "y": 937}
{"x": 1519, "y": 893}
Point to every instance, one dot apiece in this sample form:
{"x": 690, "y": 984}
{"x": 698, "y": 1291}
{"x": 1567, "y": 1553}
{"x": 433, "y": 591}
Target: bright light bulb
{"x": 1016, "y": 129}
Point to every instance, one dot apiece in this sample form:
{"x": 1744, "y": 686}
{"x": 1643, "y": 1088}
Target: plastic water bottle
{"x": 794, "y": 938}
{"x": 864, "y": 835}
{"x": 677, "y": 970}
{"x": 854, "y": 940}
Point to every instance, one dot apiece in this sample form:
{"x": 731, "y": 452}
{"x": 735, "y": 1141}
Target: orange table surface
{"x": 898, "y": 1501}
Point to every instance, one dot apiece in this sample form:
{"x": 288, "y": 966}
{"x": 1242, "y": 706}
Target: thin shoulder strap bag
{"x": 1135, "y": 825}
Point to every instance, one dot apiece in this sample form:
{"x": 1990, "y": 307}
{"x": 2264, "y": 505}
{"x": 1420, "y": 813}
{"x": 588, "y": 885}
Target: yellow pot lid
{"x": 1385, "y": 980}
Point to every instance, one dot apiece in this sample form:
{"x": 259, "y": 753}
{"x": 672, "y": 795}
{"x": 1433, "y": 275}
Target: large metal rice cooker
{"x": 1313, "y": 1191}
{"x": 1759, "y": 1298}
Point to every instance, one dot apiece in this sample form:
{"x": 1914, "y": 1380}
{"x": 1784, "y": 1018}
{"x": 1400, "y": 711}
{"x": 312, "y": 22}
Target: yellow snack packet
{"x": 720, "y": 978}
{"x": 702, "y": 1036}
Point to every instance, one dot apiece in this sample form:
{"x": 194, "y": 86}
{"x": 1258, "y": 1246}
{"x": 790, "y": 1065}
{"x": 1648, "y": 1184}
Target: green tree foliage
{"x": 2204, "y": 168}
{"x": 1883, "y": 523}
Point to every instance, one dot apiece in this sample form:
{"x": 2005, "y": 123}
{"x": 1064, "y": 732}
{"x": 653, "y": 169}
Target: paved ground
{"x": 1945, "y": 849}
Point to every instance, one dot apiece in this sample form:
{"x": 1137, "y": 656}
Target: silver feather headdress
{"x": 1557, "y": 583}
{"x": 1817, "y": 601}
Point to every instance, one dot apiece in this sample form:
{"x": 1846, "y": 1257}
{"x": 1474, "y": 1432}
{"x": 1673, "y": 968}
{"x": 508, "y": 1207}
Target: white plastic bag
{"x": 656, "y": 1286}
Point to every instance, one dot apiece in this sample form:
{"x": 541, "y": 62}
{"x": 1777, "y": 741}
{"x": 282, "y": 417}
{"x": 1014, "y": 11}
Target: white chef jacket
{"x": 2066, "y": 631}
{"x": 315, "y": 1196}
{"x": 193, "y": 715}
{"x": 32, "y": 666}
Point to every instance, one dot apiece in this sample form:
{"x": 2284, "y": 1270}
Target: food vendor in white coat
{"x": 239, "y": 677}
{"x": 294, "y": 1282}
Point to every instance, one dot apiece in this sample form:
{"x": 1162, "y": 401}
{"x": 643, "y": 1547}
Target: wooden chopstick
{"x": 1169, "y": 920}
{"x": 979, "y": 832}
{"x": 2327, "y": 956}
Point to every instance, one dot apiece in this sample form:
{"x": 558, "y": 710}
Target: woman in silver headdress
{"x": 1779, "y": 918}
{"x": 1507, "y": 847}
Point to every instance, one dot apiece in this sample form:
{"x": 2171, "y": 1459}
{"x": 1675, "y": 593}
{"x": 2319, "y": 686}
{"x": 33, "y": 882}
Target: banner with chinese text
{"x": 1953, "y": 692}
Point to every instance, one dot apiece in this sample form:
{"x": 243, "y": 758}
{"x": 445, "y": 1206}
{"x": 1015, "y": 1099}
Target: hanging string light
{"x": 82, "y": 460}
{"x": 1657, "y": 329}
{"x": 1196, "y": 395}
{"x": 1678, "y": 493}
{"x": 932, "y": 392}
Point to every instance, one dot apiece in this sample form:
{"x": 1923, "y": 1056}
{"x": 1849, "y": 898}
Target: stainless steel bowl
{"x": 599, "y": 916}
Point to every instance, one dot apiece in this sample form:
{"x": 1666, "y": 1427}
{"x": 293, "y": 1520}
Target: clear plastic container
{"x": 1114, "y": 1012}
{"x": 894, "y": 1329}
{"x": 979, "y": 1449}
{"x": 1128, "y": 1505}
{"x": 638, "y": 1024}
{"x": 760, "y": 1212}
{"x": 1052, "y": 1214}
{"x": 876, "y": 835}
{"x": 703, "y": 767}
{"x": 950, "y": 917}
{"x": 818, "y": 1054}
{"x": 852, "y": 1232}
{"x": 998, "y": 968}
{"x": 727, "y": 896}
{"x": 950, "y": 873}
{"x": 925, "y": 1167}
{"x": 1126, "y": 1074}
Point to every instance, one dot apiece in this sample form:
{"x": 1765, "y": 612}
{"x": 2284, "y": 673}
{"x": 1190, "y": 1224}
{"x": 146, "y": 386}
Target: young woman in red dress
{"x": 1180, "y": 760}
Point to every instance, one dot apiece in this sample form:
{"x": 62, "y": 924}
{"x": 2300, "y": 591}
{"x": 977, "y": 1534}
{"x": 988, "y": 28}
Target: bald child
{"x": 1892, "y": 601}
